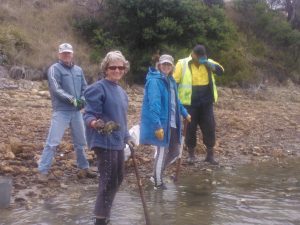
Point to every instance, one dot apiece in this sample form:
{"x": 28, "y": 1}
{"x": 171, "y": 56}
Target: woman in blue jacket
{"x": 160, "y": 118}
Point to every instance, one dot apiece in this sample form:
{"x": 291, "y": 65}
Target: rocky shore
{"x": 252, "y": 125}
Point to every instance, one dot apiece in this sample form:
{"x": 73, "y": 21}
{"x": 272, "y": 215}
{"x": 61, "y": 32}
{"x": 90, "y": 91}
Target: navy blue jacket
{"x": 156, "y": 109}
{"x": 107, "y": 101}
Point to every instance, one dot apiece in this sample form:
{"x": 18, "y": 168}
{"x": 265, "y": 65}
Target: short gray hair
{"x": 111, "y": 57}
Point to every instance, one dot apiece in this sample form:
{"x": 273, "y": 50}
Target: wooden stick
{"x": 140, "y": 186}
{"x": 185, "y": 123}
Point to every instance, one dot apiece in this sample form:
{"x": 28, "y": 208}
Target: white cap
{"x": 65, "y": 47}
{"x": 166, "y": 59}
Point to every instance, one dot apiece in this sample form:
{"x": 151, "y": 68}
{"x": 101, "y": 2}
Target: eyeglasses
{"x": 116, "y": 67}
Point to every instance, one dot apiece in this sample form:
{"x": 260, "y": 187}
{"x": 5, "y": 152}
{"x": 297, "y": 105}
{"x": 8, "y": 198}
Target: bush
{"x": 272, "y": 28}
{"x": 13, "y": 41}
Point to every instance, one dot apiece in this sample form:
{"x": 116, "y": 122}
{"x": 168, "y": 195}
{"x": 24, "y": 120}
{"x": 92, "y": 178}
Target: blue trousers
{"x": 60, "y": 121}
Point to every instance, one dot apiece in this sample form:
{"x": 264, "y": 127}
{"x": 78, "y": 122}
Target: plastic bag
{"x": 135, "y": 133}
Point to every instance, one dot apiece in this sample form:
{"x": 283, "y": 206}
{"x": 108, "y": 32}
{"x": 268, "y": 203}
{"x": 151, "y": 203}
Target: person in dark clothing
{"x": 160, "y": 117}
{"x": 197, "y": 92}
{"x": 105, "y": 117}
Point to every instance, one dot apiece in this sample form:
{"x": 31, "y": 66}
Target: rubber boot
{"x": 210, "y": 156}
{"x": 191, "y": 158}
{"x": 101, "y": 221}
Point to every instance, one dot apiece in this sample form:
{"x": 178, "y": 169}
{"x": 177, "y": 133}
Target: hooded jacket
{"x": 66, "y": 83}
{"x": 156, "y": 109}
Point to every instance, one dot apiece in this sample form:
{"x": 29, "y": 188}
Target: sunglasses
{"x": 116, "y": 67}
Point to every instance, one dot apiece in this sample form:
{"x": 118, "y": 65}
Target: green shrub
{"x": 271, "y": 29}
{"x": 13, "y": 41}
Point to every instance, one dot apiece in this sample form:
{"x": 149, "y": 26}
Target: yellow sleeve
{"x": 177, "y": 72}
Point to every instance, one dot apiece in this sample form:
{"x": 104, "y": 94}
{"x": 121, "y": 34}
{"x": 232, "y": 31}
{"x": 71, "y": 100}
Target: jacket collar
{"x": 65, "y": 65}
{"x": 189, "y": 59}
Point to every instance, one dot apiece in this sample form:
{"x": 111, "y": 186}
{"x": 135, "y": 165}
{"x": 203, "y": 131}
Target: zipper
{"x": 73, "y": 83}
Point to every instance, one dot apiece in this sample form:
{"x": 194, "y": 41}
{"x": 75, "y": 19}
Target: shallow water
{"x": 266, "y": 193}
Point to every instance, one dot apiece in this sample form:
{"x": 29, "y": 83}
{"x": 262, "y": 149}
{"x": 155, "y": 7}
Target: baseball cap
{"x": 199, "y": 50}
{"x": 166, "y": 59}
{"x": 65, "y": 47}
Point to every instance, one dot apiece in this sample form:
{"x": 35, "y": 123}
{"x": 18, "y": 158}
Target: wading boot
{"x": 191, "y": 158}
{"x": 101, "y": 221}
{"x": 210, "y": 156}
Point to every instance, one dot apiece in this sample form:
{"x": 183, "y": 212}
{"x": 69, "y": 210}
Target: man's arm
{"x": 216, "y": 67}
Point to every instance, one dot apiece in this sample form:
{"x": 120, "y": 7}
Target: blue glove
{"x": 211, "y": 65}
{"x": 203, "y": 60}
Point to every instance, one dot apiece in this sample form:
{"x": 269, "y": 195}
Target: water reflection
{"x": 253, "y": 194}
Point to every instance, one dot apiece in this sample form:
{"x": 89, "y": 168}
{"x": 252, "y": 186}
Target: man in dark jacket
{"x": 66, "y": 85}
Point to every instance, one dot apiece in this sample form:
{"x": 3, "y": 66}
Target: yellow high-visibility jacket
{"x": 187, "y": 74}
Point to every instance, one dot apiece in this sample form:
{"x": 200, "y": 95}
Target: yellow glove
{"x": 159, "y": 134}
{"x": 188, "y": 118}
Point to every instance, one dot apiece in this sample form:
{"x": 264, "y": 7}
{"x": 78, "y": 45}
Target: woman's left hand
{"x": 188, "y": 118}
{"x": 131, "y": 143}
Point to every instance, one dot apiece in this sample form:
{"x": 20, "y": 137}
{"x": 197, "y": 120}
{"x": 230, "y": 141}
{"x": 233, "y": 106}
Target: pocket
{"x": 77, "y": 76}
{"x": 115, "y": 138}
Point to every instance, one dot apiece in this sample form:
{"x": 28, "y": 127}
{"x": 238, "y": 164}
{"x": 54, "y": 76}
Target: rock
{"x": 20, "y": 185}
{"x": 8, "y": 155}
{"x": 33, "y": 74}
{"x": 44, "y": 94}
{"x": 64, "y": 186}
{"x": 8, "y": 84}
{"x": 58, "y": 173}
{"x": 6, "y": 169}
{"x": 5, "y": 152}
{"x": 17, "y": 72}
{"x": 15, "y": 145}
{"x": 21, "y": 169}
{"x": 4, "y": 72}
{"x": 26, "y": 155}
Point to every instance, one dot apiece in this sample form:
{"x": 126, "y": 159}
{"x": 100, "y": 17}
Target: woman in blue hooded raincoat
{"x": 160, "y": 117}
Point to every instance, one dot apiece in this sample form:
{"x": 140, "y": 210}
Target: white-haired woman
{"x": 106, "y": 130}
{"x": 160, "y": 118}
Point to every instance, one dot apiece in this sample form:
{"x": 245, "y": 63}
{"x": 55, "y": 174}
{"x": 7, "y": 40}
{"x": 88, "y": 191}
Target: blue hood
{"x": 153, "y": 74}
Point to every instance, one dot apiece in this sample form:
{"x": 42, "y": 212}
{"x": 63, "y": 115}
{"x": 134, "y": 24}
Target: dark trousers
{"x": 111, "y": 169}
{"x": 165, "y": 157}
{"x": 203, "y": 116}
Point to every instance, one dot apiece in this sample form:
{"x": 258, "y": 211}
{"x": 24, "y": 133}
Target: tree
{"x": 145, "y": 27}
{"x": 290, "y": 7}
{"x": 214, "y": 2}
